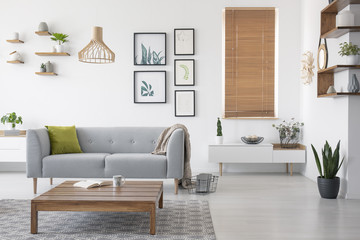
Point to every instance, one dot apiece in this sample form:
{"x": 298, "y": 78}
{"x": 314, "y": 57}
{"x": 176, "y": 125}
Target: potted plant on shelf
{"x": 351, "y": 52}
{"x": 42, "y": 68}
{"x": 60, "y": 38}
{"x": 219, "y": 135}
{"x": 11, "y": 118}
{"x": 289, "y": 133}
{"x": 328, "y": 182}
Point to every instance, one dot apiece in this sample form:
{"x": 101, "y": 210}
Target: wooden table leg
{"x": 287, "y": 167}
{"x": 220, "y": 168}
{"x": 291, "y": 169}
{"x": 51, "y": 181}
{"x": 153, "y": 219}
{"x": 161, "y": 200}
{"x": 34, "y": 219}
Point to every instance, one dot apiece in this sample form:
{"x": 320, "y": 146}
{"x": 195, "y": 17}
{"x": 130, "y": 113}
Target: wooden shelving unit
{"x": 43, "y": 33}
{"x": 52, "y": 54}
{"x": 328, "y": 19}
{"x": 46, "y": 73}
{"x": 326, "y": 79}
{"x": 15, "y": 41}
{"x": 15, "y": 62}
{"x": 339, "y": 94}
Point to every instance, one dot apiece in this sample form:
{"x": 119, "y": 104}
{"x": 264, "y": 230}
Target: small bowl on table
{"x": 252, "y": 139}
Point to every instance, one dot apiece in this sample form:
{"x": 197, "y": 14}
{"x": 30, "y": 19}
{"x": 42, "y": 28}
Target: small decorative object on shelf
{"x": 289, "y": 133}
{"x": 252, "y": 139}
{"x": 307, "y": 66}
{"x": 49, "y": 67}
{"x": 12, "y": 119}
{"x": 328, "y": 182}
{"x": 219, "y": 136}
{"x": 353, "y": 85}
{"x": 15, "y": 57}
{"x": 203, "y": 183}
{"x": 345, "y": 19}
{"x": 330, "y": 90}
{"x": 43, "y": 27}
{"x": 351, "y": 51}
{"x": 42, "y": 68}
{"x": 322, "y": 56}
{"x": 60, "y": 38}
{"x": 14, "y": 36}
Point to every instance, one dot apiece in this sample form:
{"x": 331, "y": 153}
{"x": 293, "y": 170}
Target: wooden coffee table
{"x": 133, "y": 196}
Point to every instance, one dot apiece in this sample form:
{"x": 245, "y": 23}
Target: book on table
{"x": 92, "y": 183}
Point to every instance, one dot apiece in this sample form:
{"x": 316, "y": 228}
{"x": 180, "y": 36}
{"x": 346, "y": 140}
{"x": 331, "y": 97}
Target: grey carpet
{"x": 178, "y": 220}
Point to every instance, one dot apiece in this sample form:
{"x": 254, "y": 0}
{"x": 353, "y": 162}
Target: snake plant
{"x": 331, "y": 164}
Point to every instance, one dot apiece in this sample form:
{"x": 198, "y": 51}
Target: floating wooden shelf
{"x": 15, "y": 41}
{"x": 46, "y": 73}
{"x": 339, "y": 31}
{"x": 15, "y": 62}
{"x": 339, "y": 94}
{"x": 338, "y": 68}
{"x": 43, "y": 33}
{"x": 52, "y": 54}
{"x": 328, "y": 27}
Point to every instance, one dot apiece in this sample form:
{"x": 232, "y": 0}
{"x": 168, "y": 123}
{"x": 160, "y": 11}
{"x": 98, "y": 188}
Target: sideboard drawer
{"x": 12, "y": 143}
{"x": 289, "y": 156}
{"x": 240, "y": 154}
{"x": 12, "y": 155}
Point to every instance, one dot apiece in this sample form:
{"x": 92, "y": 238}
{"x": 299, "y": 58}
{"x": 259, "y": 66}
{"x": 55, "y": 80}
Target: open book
{"x": 92, "y": 183}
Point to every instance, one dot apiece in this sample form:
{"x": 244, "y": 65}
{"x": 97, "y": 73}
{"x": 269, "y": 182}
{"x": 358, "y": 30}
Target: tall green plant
{"x": 60, "y": 38}
{"x": 330, "y": 161}
{"x": 219, "y": 128}
{"x": 11, "y": 118}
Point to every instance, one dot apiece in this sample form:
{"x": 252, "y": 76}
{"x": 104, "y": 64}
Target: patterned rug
{"x": 178, "y": 220}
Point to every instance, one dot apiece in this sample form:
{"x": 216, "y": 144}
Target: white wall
{"x": 102, "y": 95}
{"x": 331, "y": 119}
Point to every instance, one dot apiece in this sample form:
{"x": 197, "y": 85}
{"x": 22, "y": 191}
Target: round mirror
{"x": 322, "y": 57}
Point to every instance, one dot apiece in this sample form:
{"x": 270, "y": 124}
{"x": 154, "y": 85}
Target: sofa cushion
{"x": 136, "y": 165}
{"x": 63, "y": 140}
{"x": 77, "y": 165}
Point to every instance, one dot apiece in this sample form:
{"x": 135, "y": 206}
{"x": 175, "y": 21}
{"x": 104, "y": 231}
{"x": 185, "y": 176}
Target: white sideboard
{"x": 256, "y": 153}
{"x": 13, "y": 148}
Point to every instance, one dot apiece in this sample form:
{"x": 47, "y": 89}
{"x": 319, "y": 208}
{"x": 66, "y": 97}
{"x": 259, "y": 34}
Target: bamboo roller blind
{"x": 249, "y": 62}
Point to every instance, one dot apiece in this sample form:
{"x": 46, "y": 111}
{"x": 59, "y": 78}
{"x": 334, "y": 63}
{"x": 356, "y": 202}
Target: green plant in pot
{"x": 328, "y": 182}
{"x": 219, "y": 135}
{"x": 289, "y": 133}
{"x": 351, "y": 51}
{"x": 42, "y": 68}
{"x": 11, "y": 118}
{"x": 60, "y": 38}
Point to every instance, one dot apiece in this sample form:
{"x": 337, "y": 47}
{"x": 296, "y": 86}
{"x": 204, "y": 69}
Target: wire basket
{"x": 203, "y": 185}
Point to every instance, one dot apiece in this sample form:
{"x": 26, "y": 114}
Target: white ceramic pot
{"x": 345, "y": 18}
{"x": 352, "y": 59}
{"x": 43, "y": 27}
{"x": 15, "y": 56}
{"x": 59, "y": 48}
{"x": 219, "y": 139}
{"x": 14, "y": 36}
{"x": 9, "y": 126}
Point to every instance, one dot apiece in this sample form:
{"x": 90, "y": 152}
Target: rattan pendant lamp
{"x": 97, "y": 51}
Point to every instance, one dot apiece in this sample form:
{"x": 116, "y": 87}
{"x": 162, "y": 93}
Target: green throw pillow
{"x": 63, "y": 140}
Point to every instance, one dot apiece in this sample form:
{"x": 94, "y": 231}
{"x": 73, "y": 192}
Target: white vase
{"x": 43, "y": 27}
{"x": 219, "y": 139}
{"x": 345, "y": 18}
{"x": 59, "y": 48}
{"x": 15, "y": 56}
{"x": 14, "y": 36}
{"x": 352, "y": 59}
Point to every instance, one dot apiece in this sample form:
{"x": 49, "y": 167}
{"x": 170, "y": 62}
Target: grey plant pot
{"x": 328, "y": 188}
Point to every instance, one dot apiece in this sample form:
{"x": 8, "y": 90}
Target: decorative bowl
{"x": 256, "y": 140}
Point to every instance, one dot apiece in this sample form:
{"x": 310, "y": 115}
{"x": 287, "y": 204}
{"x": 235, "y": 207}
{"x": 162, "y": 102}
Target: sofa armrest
{"x": 175, "y": 155}
{"x": 37, "y": 147}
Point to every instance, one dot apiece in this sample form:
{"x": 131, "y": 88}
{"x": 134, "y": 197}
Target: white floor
{"x": 250, "y": 206}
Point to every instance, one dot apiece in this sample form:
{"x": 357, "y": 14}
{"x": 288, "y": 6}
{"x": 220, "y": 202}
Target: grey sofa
{"x": 107, "y": 151}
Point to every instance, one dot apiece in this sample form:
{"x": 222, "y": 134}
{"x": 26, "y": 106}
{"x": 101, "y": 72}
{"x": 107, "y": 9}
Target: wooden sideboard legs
{"x": 35, "y": 185}
{"x": 51, "y": 181}
{"x": 176, "y": 182}
{"x": 291, "y": 169}
{"x": 220, "y": 168}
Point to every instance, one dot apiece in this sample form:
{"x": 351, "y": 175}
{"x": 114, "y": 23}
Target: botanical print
{"x": 186, "y": 69}
{"x": 184, "y": 41}
{"x": 149, "y": 48}
{"x": 184, "y": 72}
{"x": 147, "y": 90}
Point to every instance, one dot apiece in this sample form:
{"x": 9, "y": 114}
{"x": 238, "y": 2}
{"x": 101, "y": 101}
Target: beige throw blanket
{"x": 161, "y": 148}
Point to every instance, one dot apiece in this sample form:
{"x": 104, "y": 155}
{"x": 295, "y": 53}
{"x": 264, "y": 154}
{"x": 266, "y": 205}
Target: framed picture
{"x": 184, "y": 103}
{"x": 184, "y": 41}
{"x": 149, "y": 48}
{"x": 184, "y": 72}
{"x": 149, "y": 87}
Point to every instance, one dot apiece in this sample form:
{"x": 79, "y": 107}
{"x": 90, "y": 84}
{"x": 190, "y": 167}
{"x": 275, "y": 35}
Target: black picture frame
{"x": 186, "y": 45}
{"x": 186, "y": 71}
{"x": 188, "y": 112}
{"x": 148, "y": 39}
{"x": 141, "y": 97}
